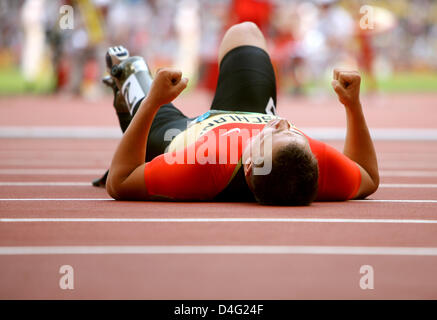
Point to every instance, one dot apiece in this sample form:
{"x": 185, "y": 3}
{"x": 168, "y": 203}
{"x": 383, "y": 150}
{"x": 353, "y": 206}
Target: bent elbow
{"x": 376, "y": 185}
{"x": 113, "y": 191}
{"x": 375, "y": 181}
{"x": 371, "y": 189}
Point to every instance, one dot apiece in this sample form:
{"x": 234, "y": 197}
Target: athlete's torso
{"x": 204, "y": 161}
{"x": 231, "y": 132}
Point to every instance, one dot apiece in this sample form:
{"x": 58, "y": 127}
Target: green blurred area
{"x": 13, "y": 83}
{"x": 400, "y": 82}
{"x": 408, "y": 82}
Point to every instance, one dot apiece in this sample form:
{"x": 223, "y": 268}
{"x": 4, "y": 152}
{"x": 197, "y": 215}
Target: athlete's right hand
{"x": 167, "y": 85}
{"x": 346, "y": 84}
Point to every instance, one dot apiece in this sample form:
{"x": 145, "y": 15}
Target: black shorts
{"x": 246, "y": 83}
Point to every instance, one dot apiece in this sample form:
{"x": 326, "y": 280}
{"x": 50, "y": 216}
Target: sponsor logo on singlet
{"x": 209, "y": 121}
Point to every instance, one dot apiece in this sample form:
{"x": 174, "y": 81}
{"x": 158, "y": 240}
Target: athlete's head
{"x": 293, "y": 177}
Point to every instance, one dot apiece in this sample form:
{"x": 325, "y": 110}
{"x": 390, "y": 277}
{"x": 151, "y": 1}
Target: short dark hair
{"x": 293, "y": 180}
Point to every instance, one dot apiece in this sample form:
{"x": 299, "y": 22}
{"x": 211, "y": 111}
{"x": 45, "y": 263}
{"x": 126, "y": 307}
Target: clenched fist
{"x": 347, "y": 86}
{"x": 167, "y": 85}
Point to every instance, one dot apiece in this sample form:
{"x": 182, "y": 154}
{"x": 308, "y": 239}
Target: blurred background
{"x": 394, "y": 44}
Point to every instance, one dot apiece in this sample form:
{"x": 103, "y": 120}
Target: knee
{"x": 245, "y": 28}
{"x": 245, "y": 33}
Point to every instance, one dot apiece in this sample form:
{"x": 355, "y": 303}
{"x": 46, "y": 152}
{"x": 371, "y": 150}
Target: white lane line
{"x": 38, "y": 171}
{"x": 323, "y": 133}
{"x": 110, "y": 199}
{"x": 60, "y": 199}
{"x": 310, "y": 250}
{"x": 408, "y": 185}
{"x": 61, "y": 132}
{"x": 84, "y": 184}
{"x": 389, "y": 134}
{"x": 87, "y": 184}
{"x": 387, "y": 165}
{"x": 75, "y": 172}
{"x": 45, "y": 184}
{"x": 394, "y": 201}
{"x": 407, "y": 173}
{"x": 183, "y": 220}
{"x": 398, "y": 155}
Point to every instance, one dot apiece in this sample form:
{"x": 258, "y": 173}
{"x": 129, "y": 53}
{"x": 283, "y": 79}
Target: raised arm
{"x": 358, "y": 144}
{"x": 126, "y": 174}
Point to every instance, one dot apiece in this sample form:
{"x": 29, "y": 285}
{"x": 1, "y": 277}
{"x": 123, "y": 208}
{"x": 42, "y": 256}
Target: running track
{"x": 51, "y": 216}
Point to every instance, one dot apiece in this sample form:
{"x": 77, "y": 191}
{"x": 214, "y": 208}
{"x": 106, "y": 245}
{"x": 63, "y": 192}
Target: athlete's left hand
{"x": 167, "y": 85}
{"x": 346, "y": 84}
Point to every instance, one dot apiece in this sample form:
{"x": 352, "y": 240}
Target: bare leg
{"x": 242, "y": 34}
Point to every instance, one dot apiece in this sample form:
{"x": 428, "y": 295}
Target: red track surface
{"x": 309, "y": 275}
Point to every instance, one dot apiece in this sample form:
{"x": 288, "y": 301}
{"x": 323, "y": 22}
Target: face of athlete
{"x": 280, "y": 133}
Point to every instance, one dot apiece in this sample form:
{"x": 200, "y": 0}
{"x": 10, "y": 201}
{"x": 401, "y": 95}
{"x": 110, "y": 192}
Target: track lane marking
{"x": 408, "y": 185}
{"x": 407, "y": 165}
{"x": 87, "y": 184}
{"x": 59, "y": 199}
{"x": 316, "y": 250}
{"x": 110, "y": 199}
{"x": 184, "y": 220}
{"x": 407, "y": 173}
{"x": 323, "y": 133}
{"x": 39, "y": 171}
{"x": 45, "y": 184}
{"x": 80, "y": 171}
{"x": 394, "y": 201}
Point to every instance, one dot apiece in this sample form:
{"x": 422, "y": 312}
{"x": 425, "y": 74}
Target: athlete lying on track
{"x": 239, "y": 150}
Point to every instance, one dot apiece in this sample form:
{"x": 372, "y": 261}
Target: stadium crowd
{"x": 307, "y": 38}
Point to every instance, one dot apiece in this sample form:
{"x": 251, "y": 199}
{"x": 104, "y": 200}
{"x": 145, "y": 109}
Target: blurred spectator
{"x": 188, "y": 30}
{"x": 306, "y": 38}
{"x": 213, "y": 18}
{"x": 32, "y": 17}
{"x": 325, "y": 33}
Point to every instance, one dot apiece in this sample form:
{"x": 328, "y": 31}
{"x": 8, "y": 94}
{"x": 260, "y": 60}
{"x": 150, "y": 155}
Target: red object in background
{"x": 62, "y": 74}
{"x": 257, "y": 11}
{"x": 366, "y": 55}
{"x": 209, "y": 80}
{"x": 91, "y": 71}
{"x": 283, "y": 47}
